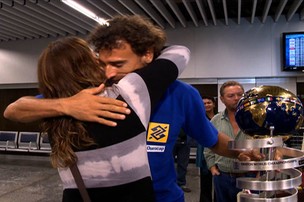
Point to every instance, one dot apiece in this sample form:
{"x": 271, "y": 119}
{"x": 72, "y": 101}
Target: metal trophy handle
{"x": 276, "y": 180}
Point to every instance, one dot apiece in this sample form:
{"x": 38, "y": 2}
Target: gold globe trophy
{"x": 269, "y": 114}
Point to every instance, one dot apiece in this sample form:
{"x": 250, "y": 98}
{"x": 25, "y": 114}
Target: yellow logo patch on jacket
{"x": 158, "y": 132}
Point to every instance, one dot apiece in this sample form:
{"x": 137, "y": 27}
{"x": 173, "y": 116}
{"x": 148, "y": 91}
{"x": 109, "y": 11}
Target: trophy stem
{"x": 270, "y": 156}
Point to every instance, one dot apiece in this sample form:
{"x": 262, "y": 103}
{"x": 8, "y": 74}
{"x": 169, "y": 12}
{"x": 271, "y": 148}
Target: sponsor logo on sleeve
{"x": 158, "y": 132}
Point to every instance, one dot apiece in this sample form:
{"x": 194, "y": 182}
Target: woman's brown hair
{"x": 66, "y": 67}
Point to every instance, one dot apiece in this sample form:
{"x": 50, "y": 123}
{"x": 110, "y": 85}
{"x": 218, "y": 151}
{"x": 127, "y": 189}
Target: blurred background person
{"x": 205, "y": 174}
{"x": 210, "y": 106}
{"x": 181, "y": 153}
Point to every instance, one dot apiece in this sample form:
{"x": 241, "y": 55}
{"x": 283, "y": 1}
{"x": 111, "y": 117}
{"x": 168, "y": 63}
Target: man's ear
{"x": 148, "y": 57}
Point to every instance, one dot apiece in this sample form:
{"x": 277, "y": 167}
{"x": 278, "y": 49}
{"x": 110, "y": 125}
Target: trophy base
{"x": 277, "y": 196}
{"x": 276, "y": 180}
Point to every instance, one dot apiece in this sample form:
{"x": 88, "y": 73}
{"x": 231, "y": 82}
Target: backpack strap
{"x": 79, "y": 182}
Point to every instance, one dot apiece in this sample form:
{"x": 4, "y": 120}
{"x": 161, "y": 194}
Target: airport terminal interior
{"x": 229, "y": 40}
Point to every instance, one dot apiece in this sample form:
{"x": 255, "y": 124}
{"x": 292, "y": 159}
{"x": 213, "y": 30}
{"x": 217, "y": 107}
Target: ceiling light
{"x": 85, "y": 11}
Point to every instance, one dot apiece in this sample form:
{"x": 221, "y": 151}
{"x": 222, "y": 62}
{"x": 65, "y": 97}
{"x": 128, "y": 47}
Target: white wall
{"x": 245, "y": 51}
{"x": 18, "y": 60}
{"x": 235, "y": 51}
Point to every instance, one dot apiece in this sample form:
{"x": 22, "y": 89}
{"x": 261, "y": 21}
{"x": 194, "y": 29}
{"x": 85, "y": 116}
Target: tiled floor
{"x": 28, "y": 179}
{"x": 193, "y": 183}
{"x": 32, "y": 179}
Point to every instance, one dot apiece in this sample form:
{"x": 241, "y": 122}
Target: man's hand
{"x": 252, "y": 155}
{"x": 214, "y": 171}
{"x": 255, "y": 155}
{"x": 88, "y": 106}
{"x": 85, "y": 106}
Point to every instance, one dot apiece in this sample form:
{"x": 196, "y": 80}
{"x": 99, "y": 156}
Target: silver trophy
{"x": 269, "y": 115}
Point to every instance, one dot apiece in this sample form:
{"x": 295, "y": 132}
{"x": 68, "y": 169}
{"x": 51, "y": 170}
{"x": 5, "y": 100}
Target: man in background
{"x": 206, "y": 185}
{"x": 222, "y": 167}
{"x": 181, "y": 153}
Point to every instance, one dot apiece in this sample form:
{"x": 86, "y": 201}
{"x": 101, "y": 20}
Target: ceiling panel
{"x": 32, "y": 19}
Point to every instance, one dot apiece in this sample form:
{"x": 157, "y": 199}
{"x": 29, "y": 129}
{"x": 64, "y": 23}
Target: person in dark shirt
{"x": 181, "y": 153}
{"x": 205, "y": 174}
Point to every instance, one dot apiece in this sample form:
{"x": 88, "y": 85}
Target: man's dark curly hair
{"x": 139, "y": 32}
